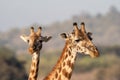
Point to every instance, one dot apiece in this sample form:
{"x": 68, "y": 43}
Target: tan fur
{"x": 77, "y": 41}
{"x": 35, "y": 45}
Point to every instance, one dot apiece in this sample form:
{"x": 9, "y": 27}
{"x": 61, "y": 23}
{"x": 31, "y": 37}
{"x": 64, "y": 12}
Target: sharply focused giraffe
{"x": 35, "y": 44}
{"x": 79, "y": 41}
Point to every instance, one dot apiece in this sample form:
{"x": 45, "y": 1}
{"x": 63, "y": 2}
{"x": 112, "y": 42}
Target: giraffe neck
{"x": 34, "y": 66}
{"x": 64, "y": 67}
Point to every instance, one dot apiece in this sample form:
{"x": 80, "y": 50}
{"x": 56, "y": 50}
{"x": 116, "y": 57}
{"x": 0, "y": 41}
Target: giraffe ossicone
{"x": 78, "y": 41}
{"x": 35, "y": 40}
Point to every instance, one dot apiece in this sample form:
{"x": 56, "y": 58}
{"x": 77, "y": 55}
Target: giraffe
{"x": 79, "y": 41}
{"x": 35, "y": 45}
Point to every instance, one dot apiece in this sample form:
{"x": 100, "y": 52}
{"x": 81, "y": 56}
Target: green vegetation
{"x": 107, "y": 66}
{"x": 104, "y": 61}
{"x": 11, "y": 68}
{"x": 105, "y": 29}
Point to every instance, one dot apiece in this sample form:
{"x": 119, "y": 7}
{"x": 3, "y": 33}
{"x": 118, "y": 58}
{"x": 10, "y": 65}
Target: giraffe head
{"x": 35, "y": 40}
{"x": 80, "y": 41}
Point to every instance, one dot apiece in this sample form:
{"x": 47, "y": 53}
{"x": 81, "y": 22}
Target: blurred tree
{"x": 111, "y": 73}
{"x": 113, "y": 10}
{"x": 11, "y": 68}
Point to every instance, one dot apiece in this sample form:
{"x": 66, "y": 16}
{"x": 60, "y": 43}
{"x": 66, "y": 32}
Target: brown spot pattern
{"x": 72, "y": 56}
{"x": 63, "y": 64}
{"x": 65, "y": 73}
{"x": 33, "y": 64}
{"x": 69, "y": 63}
{"x": 35, "y": 77}
{"x": 56, "y": 75}
{"x": 69, "y": 53}
{"x": 32, "y": 71}
{"x": 66, "y": 56}
{"x": 30, "y": 78}
{"x": 59, "y": 77}
{"x": 53, "y": 79}
{"x": 59, "y": 69}
{"x": 70, "y": 75}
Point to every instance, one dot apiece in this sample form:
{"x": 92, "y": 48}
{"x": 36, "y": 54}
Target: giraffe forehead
{"x": 33, "y": 36}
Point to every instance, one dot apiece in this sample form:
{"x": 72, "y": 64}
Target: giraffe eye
{"x": 77, "y": 40}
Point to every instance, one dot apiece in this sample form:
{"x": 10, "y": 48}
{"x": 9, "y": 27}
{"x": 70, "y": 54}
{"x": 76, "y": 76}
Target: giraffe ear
{"x": 25, "y": 38}
{"x": 63, "y": 35}
{"x": 46, "y": 38}
{"x": 89, "y": 34}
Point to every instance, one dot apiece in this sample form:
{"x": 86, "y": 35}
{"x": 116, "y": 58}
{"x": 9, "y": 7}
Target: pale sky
{"x": 20, "y": 13}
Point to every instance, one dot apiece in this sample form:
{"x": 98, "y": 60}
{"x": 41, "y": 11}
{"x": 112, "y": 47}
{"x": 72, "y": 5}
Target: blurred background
{"x": 102, "y": 18}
